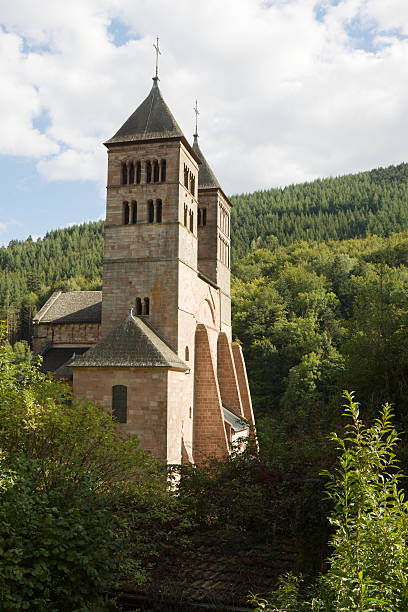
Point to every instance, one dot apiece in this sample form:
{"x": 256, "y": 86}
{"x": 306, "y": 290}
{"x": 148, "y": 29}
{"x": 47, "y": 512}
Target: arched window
{"x": 138, "y": 172}
{"x": 185, "y": 176}
{"x": 125, "y": 213}
{"x": 204, "y": 216}
{"x": 138, "y": 306}
{"x": 131, "y": 173}
{"x": 159, "y": 211}
{"x": 156, "y": 174}
{"x": 163, "y": 170}
{"x": 146, "y": 306}
{"x": 119, "y": 403}
{"x": 199, "y": 216}
{"x": 148, "y": 172}
{"x": 124, "y": 174}
{"x": 187, "y": 354}
{"x": 191, "y": 221}
{"x": 134, "y": 212}
{"x": 185, "y": 215}
{"x": 192, "y": 184}
{"x": 150, "y": 206}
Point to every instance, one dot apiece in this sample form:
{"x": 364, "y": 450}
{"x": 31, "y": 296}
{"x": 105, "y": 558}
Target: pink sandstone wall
{"x": 61, "y": 334}
{"x": 210, "y": 437}
{"x": 227, "y": 377}
{"x": 147, "y": 401}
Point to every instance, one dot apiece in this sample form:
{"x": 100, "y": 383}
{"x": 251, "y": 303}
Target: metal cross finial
{"x": 197, "y": 112}
{"x": 158, "y": 52}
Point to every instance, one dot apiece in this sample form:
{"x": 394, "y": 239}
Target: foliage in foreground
{"x": 369, "y": 563}
{"x": 82, "y": 508}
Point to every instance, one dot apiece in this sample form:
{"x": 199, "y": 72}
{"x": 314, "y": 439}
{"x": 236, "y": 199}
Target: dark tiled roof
{"x": 133, "y": 343}
{"x": 56, "y": 358}
{"x": 71, "y": 307}
{"x": 151, "y": 120}
{"x": 236, "y": 423}
{"x": 206, "y": 177}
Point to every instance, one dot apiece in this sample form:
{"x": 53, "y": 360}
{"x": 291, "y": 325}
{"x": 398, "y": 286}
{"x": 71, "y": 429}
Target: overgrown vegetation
{"x": 82, "y": 507}
{"x": 368, "y": 565}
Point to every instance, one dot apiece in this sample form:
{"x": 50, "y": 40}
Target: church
{"x": 155, "y": 345}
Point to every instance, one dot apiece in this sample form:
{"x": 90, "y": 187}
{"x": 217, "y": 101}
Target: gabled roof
{"x": 151, "y": 120}
{"x": 133, "y": 343}
{"x": 71, "y": 307}
{"x": 206, "y": 177}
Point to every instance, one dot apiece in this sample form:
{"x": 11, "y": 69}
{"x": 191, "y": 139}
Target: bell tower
{"x": 151, "y": 217}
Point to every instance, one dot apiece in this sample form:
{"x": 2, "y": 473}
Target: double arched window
{"x": 142, "y": 308}
{"x": 129, "y": 212}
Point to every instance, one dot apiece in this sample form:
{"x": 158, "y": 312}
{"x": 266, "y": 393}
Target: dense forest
{"x": 351, "y": 206}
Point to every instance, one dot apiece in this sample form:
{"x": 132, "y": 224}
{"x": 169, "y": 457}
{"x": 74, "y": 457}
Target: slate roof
{"x": 206, "y": 177}
{"x": 151, "y": 120}
{"x": 71, "y": 307}
{"x": 133, "y": 343}
{"x": 236, "y": 423}
{"x": 56, "y": 358}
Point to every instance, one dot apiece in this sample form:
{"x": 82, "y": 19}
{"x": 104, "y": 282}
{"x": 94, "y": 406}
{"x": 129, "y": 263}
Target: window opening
{"x": 191, "y": 221}
{"x": 204, "y": 216}
{"x": 185, "y": 176}
{"x": 199, "y": 216}
{"x": 151, "y": 211}
{"x": 124, "y": 174}
{"x": 163, "y": 170}
{"x": 138, "y": 172}
{"x": 159, "y": 210}
{"x": 148, "y": 172}
{"x": 192, "y": 184}
{"x": 185, "y": 215}
{"x": 134, "y": 212}
{"x": 131, "y": 173}
{"x": 138, "y": 306}
{"x": 119, "y": 403}
{"x": 156, "y": 171}
{"x": 187, "y": 354}
{"x": 125, "y": 213}
{"x": 146, "y": 306}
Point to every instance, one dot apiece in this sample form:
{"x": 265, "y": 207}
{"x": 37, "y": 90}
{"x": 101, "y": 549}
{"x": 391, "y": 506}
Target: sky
{"x": 288, "y": 91}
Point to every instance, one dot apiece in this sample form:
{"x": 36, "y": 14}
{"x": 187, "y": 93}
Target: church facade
{"x": 155, "y": 345}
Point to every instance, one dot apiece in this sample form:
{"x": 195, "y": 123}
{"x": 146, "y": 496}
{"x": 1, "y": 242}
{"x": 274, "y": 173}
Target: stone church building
{"x": 154, "y": 346}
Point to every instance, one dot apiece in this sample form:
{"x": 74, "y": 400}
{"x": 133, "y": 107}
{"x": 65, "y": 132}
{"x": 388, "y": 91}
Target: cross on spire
{"x": 158, "y": 52}
{"x": 197, "y": 112}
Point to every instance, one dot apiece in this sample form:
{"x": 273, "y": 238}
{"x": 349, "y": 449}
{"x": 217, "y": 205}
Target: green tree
{"x": 73, "y": 494}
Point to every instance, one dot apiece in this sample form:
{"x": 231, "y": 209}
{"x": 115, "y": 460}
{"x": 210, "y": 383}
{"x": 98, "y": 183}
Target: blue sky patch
{"x": 120, "y": 32}
{"x": 42, "y": 121}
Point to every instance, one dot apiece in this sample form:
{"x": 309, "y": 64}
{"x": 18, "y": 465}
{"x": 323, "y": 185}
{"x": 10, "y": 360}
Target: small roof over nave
{"x": 71, "y": 307}
{"x": 133, "y": 343}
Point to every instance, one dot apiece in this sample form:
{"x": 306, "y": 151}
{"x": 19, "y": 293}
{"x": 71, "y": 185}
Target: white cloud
{"x": 284, "y": 96}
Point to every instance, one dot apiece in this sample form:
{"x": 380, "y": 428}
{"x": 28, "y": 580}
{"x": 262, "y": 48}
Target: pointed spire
{"x": 206, "y": 177}
{"x": 158, "y": 52}
{"x": 197, "y": 112}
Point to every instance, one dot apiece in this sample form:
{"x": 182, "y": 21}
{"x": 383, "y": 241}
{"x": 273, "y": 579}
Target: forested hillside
{"x": 350, "y": 206}
{"x": 69, "y": 259}
{"x": 311, "y": 316}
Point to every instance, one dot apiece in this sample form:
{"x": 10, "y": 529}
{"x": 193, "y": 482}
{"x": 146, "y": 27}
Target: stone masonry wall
{"x": 227, "y": 377}
{"x": 147, "y": 391}
{"x": 59, "y": 334}
{"x": 210, "y": 438}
